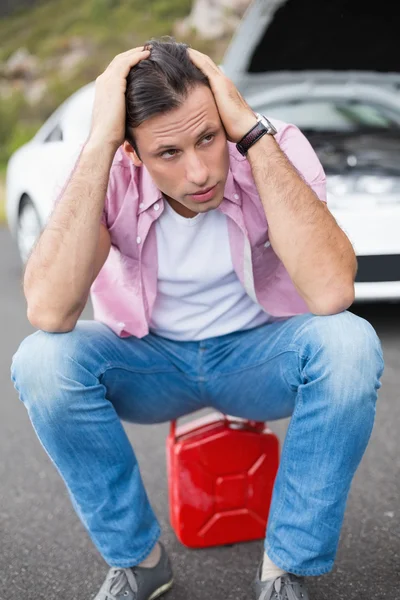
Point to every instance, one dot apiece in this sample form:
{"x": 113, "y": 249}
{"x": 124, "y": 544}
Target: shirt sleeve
{"x": 303, "y": 157}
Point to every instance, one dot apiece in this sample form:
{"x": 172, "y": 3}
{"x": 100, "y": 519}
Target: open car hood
{"x": 371, "y": 152}
{"x": 314, "y": 39}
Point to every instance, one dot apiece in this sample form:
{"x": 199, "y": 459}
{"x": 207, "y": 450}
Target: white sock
{"x": 270, "y": 570}
{"x": 152, "y": 559}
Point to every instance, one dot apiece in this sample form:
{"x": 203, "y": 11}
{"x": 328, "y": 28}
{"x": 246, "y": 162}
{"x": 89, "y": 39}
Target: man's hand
{"x": 236, "y": 115}
{"x": 108, "y": 120}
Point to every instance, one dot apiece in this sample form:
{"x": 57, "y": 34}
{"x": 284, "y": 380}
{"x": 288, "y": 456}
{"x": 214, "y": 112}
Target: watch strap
{"x": 251, "y": 138}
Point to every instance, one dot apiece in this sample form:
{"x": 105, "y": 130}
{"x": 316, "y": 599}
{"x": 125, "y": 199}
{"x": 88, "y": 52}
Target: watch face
{"x": 267, "y": 124}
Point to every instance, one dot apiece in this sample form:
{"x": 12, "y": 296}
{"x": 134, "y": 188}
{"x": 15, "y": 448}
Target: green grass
{"x": 2, "y": 198}
{"x": 2, "y": 212}
{"x": 110, "y": 25}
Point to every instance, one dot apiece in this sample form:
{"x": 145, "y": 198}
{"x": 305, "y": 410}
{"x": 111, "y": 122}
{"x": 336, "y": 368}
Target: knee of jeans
{"x": 346, "y": 345}
{"x": 43, "y": 362}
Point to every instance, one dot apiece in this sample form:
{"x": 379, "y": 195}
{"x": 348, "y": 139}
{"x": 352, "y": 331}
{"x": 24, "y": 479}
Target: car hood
{"x": 361, "y": 152}
{"x": 334, "y": 35}
{"x": 316, "y": 36}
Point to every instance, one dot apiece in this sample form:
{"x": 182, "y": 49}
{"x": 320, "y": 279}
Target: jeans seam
{"x": 97, "y": 375}
{"x": 142, "y": 371}
{"x": 109, "y": 367}
{"x": 256, "y": 364}
{"x": 278, "y": 510}
{"x": 193, "y": 378}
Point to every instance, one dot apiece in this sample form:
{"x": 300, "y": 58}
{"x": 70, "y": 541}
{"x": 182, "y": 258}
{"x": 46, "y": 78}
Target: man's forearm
{"x": 59, "y": 272}
{"x": 315, "y": 251}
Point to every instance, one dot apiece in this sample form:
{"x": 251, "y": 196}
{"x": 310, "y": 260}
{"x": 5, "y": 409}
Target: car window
{"x": 55, "y": 135}
{"x": 334, "y": 115}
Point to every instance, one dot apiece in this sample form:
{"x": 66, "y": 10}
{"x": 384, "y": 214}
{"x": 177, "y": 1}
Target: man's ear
{"x": 131, "y": 154}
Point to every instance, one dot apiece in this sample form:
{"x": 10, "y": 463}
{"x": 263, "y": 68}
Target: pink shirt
{"x": 123, "y": 293}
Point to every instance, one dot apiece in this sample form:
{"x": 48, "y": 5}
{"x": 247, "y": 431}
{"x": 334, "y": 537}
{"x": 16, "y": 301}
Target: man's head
{"x": 173, "y": 127}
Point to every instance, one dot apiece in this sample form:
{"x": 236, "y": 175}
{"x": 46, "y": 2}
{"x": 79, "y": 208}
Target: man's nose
{"x": 196, "y": 171}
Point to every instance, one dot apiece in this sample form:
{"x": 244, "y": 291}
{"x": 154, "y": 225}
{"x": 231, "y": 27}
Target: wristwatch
{"x": 262, "y": 127}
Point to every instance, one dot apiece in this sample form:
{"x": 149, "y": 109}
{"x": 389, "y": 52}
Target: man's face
{"x": 186, "y": 153}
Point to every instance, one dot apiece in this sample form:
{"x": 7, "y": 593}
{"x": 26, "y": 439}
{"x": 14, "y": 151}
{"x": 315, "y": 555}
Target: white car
{"x": 351, "y": 117}
{"x": 37, "y": 169}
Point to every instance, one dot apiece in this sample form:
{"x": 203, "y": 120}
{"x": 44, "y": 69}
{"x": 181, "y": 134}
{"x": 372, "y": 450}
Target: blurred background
{"x": 50, "y": 49}
{"x": 330, "y": 67}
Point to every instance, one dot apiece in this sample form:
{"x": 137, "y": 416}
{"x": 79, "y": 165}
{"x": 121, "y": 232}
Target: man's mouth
{"x": 204, "y": 195}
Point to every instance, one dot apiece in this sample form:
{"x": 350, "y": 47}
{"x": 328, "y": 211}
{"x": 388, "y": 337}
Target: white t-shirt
{"x": 199, "y": 294}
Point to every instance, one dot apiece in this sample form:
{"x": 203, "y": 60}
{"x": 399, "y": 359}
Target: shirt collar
{"x": 149, "y": 193}
{"x": 231, "y": 191}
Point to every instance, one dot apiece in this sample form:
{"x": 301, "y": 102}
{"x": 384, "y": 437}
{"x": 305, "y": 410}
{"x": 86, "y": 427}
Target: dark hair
{"x": 159, "y": 83}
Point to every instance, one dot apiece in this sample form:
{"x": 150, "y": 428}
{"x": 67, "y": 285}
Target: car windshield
{"x": 335, "y": 115}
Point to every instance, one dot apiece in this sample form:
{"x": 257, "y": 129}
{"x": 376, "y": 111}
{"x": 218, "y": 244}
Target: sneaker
{"x": 138, "y": 583}
{"x": 287, "y": 587}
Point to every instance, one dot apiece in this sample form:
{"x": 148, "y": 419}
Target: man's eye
{"x": 208, "y": 138}
{"x": 168, "y": 154}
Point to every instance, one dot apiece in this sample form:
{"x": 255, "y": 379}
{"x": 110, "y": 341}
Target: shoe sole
{"x": 161, "y": 590}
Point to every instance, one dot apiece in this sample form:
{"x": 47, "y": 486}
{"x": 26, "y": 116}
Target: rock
{"x": 69, "y": 61}
{"x": 76, "y": 50}
{"x": 22, "y": 65}
{"x": 34, "y": 92}
{"x": 212, "y": 19}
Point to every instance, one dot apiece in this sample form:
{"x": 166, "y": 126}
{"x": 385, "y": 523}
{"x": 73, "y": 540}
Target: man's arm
{"x": 315, "y": 251}
{"x": 304, "y": 234}
{"x": 72, "y": 248}
{"x": 74, "y": 245}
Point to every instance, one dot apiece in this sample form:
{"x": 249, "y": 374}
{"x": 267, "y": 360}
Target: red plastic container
{"x": 221, "y": 473}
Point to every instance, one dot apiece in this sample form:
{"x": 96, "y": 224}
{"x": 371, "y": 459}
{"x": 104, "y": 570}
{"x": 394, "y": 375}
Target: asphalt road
{"x": 45, "y": 552}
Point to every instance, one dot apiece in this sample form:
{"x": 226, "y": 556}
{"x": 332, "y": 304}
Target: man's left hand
{"x": 236, "y": 115}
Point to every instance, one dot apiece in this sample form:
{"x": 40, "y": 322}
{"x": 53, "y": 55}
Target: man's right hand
{"x": 108, "y": 118}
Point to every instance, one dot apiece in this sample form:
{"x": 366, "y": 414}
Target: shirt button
{"x": 138, "y": 239}
{"x": 121, "y": 325}
{"x": 236, "y": 196}
{"x": 157, "y": 206}
{"x": 141, "y": 205}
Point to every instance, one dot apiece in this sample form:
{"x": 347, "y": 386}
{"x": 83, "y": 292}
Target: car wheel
{"x": 29, "y": 228}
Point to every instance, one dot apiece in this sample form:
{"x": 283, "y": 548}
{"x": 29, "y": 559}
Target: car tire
{"x": 29, "y": 228}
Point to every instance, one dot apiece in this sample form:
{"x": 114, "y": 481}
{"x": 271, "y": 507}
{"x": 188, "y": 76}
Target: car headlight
{"x": 344, "y": 190}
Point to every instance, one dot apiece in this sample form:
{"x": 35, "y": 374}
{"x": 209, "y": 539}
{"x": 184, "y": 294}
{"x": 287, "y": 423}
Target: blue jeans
{"x": 324, "y": 371}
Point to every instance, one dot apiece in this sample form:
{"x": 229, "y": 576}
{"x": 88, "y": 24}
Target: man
{"x": 219, "y": 278}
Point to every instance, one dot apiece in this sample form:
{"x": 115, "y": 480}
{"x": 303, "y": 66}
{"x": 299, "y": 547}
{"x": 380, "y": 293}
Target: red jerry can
{"x": 221, "y": 472}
